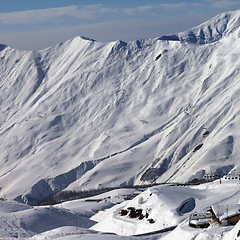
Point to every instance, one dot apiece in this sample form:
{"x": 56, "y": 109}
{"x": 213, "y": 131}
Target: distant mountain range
{"x": 85, "y": 114}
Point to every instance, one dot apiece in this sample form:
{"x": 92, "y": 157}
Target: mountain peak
{"x": 2, "y": 47}
{"x": 209, "y": 31}
{"x": 81, "y": 39}
{"x": 86, "y": 38}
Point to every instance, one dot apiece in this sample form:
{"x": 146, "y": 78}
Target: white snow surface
{"x": 99, "y": 217}
{"x": 212, "y": 30}
{"x": 168, "y": 206}
{"x": 86, "y": 115}
{"x": 68, "y": 220}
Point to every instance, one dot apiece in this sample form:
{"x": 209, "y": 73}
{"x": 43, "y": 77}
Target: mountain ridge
{"x": 210, "y": 31}
{"x": 85, "y": 114}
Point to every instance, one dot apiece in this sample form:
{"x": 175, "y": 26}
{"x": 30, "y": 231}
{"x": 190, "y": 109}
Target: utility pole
{"x": 122, "y": 227}
{"x": 76, "y": 223}
{"x": 227, "y": 210}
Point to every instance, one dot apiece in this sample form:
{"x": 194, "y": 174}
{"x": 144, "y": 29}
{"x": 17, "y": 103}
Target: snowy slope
{"x": 99, "y": 217}
{"x": 84, "y": 114}
{"x": 69, "y": 220}
{"x": 210, "y": 31}
{"x": 168, "y": 206}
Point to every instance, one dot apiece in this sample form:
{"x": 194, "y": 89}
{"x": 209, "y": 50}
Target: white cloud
{"x": 224, "y": 3}
{"x": 86, "y": 12}
{"x": 30, "y": 16}
{"x": 91, "y": 11}
{"x": 139, "y": 9}
{"x": 129, "y": 11}
{"x": 44, "y": 15}
{"x": 173, "y": 5}
{"x": 145, "y": 8}
{"x": 196, "y": 4}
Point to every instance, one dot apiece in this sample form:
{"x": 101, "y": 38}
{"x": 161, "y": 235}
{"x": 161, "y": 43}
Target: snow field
{"x": 100, "y": 216}
{"x": 168, "y": 206}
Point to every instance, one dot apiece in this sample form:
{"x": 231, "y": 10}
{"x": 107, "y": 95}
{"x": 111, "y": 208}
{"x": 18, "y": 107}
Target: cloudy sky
{"x": 35, "y": 24}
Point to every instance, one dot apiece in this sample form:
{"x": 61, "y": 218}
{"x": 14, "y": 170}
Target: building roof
{"x": 226, "y": 211}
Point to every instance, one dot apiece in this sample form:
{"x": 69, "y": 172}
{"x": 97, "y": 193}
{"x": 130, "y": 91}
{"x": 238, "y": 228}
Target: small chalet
{"x": 226, "y": 214}
{"x": 199, "y": 220}
{"x": 221, "y": 214}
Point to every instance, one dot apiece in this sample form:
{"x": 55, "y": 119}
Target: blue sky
{"x": 35, "y": 24}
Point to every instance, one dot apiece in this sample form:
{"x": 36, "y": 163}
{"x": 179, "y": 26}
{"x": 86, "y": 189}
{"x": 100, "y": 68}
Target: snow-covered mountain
{"x": 85, "y": 114}
{"x": 210, "y": 31}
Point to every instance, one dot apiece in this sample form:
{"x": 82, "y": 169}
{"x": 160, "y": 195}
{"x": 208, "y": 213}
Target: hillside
{"x": 163, "y": 213}
{"x": 86, "y": 115}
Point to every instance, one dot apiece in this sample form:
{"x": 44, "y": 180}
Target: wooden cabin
{"x": 233, "y": 219}
{"x": 221, "y": 214}
{"x": 229, "y": 214}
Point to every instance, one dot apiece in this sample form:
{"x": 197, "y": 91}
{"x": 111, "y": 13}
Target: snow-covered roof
{"x": 226, "y": 211}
